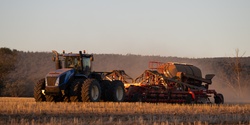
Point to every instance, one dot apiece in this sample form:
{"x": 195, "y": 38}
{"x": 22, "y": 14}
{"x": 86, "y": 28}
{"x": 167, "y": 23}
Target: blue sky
{"x": 183, "y": 28}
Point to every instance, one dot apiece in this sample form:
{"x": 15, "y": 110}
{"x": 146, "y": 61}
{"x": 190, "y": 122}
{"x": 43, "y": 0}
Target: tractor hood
{"x": 59, "y": 77}
{"x": 59, "y": 72}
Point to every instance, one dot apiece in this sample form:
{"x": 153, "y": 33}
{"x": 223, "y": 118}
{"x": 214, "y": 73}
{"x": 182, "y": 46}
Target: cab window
{"x": 86, "y": 63}
{"x": 72, "y": 62}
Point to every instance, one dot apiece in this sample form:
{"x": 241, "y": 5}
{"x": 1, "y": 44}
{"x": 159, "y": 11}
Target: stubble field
{"x": 27, "y": 111}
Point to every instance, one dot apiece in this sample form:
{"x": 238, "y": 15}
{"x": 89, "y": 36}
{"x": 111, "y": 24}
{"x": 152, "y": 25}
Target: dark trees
{"x": 7, "y": 64}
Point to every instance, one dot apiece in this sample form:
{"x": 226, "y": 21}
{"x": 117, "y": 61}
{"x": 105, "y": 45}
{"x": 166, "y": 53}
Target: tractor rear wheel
{"x": 105, "y": 85}
{"x": 219, "y": 99}
{"x": 117, "y": 91}
{"x": 38, "y": 95}
{"x": 91, "y": 91}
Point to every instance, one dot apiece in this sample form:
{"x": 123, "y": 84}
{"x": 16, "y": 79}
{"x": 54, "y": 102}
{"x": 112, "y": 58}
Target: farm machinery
{"x": 170, "y": 83}
{"x": 74, "y": 81}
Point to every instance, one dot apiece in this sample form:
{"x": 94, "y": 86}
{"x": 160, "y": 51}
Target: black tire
{"x": 91, "y": 91}
{"x": 38, "y": 95}
{"x": 219, "y": 99}
{"x": 66, "y": 98}
{"x": 137, "y": 97}
{"x": 50, "y": 98}
{"x": 105, "y": 85}
{"x": 189, "y": 99}
{"x": 117, "y": 91}
{"x": 75, "y": 91}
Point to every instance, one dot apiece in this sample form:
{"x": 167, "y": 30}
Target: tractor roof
{"x": 77, "y": 55}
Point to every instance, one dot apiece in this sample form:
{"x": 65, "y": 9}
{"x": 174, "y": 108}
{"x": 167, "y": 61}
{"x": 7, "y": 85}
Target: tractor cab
{"x": 80, "y": 62}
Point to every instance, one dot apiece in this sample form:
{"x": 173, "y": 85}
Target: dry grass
{"x": 27, "y": 111}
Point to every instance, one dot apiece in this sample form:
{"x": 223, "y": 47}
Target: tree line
{"x": 19, "y": 71}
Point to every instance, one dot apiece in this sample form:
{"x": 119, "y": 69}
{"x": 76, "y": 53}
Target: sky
{"x": 182, "y": 28}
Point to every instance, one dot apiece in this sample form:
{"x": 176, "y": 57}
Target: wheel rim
{"x": 119, "y": 93}
{"x": 95, "y": 92}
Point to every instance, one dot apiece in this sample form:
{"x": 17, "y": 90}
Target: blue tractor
{"x": 74, "y": 81}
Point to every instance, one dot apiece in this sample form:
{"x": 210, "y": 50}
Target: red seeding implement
{"x": 170, "y": 83}
{"x": 74, "y": 81}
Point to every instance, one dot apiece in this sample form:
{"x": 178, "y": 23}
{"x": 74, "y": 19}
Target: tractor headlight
{"x": 57, "y": 82}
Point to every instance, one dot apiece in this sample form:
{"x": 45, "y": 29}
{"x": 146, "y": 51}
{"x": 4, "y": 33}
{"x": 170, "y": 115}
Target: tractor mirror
{"x": 91, "y": 58}
{"x": 54, "y": 59}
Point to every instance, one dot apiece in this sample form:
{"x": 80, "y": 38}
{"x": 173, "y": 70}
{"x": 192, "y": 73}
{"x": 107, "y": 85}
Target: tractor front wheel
{"x": 75, "y": 91}
{"x": 38, "y": 95}
{"x": 50, "y": 98}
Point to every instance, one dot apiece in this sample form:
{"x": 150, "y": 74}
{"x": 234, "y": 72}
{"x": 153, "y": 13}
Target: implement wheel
{"x": 189, "y": 99}
{"x": 219, "y": 99}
